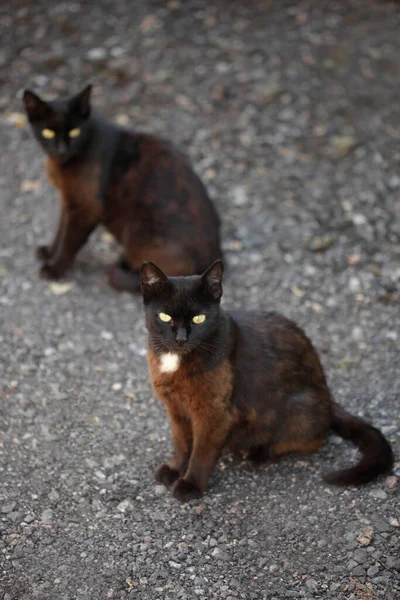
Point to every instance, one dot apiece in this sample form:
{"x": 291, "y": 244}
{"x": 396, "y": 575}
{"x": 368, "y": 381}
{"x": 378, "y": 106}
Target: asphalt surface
{"x": 291, "y": 114}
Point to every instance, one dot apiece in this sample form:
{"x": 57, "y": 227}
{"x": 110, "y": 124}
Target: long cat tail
{"x": 376, "y": 453}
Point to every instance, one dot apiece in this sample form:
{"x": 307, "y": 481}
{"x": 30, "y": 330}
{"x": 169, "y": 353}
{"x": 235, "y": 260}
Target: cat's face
{"x": 181, "y": 312}
{"x": 60, "y": 126}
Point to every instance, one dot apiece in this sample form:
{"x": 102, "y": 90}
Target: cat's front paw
{"x": 50, "y": 272}
{"x": 166, "y": 475}
{"x": 184, "y": 491}
{"x": 43, "y": 253}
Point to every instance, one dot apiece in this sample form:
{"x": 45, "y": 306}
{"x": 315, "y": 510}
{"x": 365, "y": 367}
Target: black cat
{"x": 139, "y": 186}
{"x": 248, "y": 381}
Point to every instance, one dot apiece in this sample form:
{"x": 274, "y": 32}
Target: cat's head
{"x": 181, "y": 312}
{"x": 60, "y": 126}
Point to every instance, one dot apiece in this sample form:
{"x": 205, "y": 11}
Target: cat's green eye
{"x": 48, "y": 134}
{"x": 164, "y": 317}
{"x": 199, "y": 319}
{"x": 74, "y": 132}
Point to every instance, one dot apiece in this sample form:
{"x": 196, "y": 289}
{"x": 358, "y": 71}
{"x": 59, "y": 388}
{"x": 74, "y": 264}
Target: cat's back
{"x": 157, "y": 173}
{"x": 269, "y": 335}
{"x": 267, "y": 327}
{"x": 157, "y": 205}
{"x": 271, "y": 353}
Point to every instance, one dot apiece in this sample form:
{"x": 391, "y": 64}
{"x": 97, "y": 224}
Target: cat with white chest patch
{"x": 248, "y": 381}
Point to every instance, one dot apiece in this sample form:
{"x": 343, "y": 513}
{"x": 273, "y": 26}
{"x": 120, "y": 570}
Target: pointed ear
{"x": 81, "y": 102}
{"x": 212, "y": 279}
{"x": 154, "y": 281}
{"x": 36, "y": 108}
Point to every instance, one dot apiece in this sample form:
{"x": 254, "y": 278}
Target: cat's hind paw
{"x": 49, "y": 272}
{"x": 184, "y": 491}
{"x": 166, "y": 475}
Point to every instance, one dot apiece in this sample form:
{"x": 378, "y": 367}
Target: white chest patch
{"x": 169, "y": 362}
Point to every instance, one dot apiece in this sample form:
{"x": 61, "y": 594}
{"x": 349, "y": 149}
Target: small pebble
{"x": 373, "y": 571}
{"x": 354, "y": 284}
{"x": 312, "y": 585}
{"x": 359, "y": 219}
{"x": 54, "y": 496}
{"x": 273, "y": 568}
{"x": 219, "y": 554}
{"x": 240, "y": 197}
{"x": 379, "y": 494}
{"x": 29, "y": 518}
{"x": 366, "y": 536}
{"x": 393, "y": 182}
{"x": 7, "y": 508}
{"x": 125, "y": 506}
{"x": 47, "y": 516}
{"x": 106, "y": 335}
{"x": 97, "y": 54}
{"x": 360, "y": 555}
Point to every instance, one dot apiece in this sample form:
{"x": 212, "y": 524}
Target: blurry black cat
{"x": 139, "y": 186}
{"x": 249, "y": 381}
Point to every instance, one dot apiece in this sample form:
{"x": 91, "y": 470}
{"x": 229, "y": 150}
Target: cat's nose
{"x": 62, "y": 147}
{"x": 181, "y": 336}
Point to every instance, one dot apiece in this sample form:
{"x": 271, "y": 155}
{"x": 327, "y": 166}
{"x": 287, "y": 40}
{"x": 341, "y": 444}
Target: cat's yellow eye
{"x": 74, "y": 132}
{"x": 164, "y": 317}
{"x": 199, "y": 319}
{"x": 48, "y": 134}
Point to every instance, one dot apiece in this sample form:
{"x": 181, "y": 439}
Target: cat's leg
{"x": 123, "y": 278}
{"x": 77, "y": 227}
{"x": 209, "y": 438}
{"x": 182, "y": 440}
{"x": 45, "y": 253}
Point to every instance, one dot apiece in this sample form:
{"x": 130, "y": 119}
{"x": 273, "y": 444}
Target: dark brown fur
{"x": 140, "y": 187}
{"x": 196, "y": 401}
{"x": 251, "y": 382}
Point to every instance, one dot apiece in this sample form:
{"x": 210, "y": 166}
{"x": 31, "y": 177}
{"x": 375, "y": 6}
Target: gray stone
{"x": 47, "y": 516}
{"x": 312, "y": 584}
{"x": 379, "y": 494}
{"x": 373, "y": 571}
{"x": 29, "y": 518}
{"x": 393, "y": 563}
{"x": 219, "y": 554}
{"x": 360, "y": 555}
{"x": 97, "y": 55}
{"x": 54, "y": 496}
{"x": 125, "y": 506}
{"x": 7, "y": 508}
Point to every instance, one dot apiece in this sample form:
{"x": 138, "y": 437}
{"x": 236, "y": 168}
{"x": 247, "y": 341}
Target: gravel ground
{"x": 290, "y": 111}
